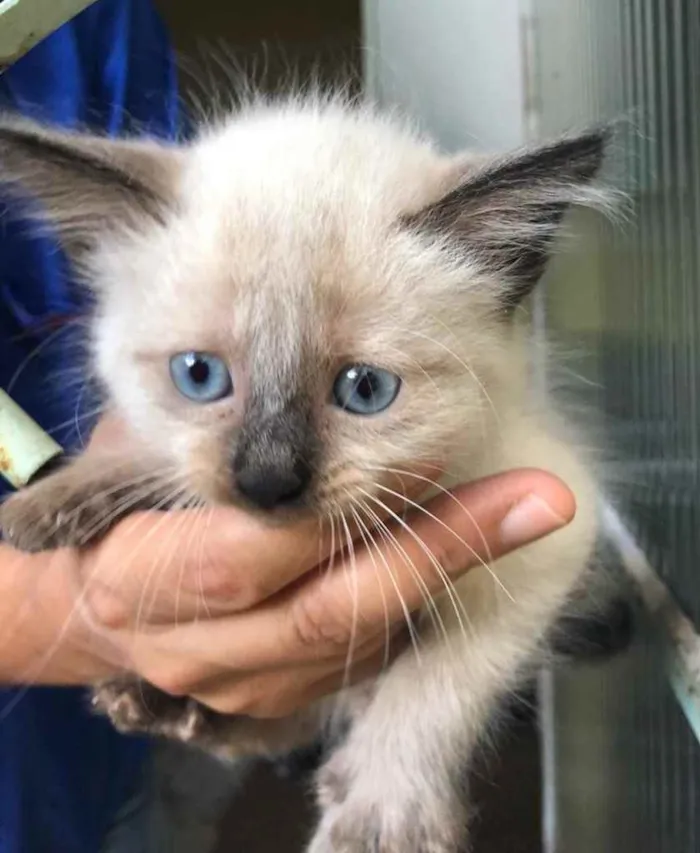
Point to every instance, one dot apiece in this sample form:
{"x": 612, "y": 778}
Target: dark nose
{"x": 270, "y": 486}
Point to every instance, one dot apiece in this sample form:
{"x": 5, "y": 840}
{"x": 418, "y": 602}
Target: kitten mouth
{"x": 343, "y": 502}
{"x": 368, "y": 492}
{"x": 279, "y": 515}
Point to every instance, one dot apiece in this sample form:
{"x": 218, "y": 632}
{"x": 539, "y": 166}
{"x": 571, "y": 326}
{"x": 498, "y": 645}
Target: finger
{"x": 390, "y": 643}
{"x": 281, "y": 693}
{"x": 194, "y": 561}
{"x": 199, "y": 675}
{"x": 470, "y": 526}
{"x": 198, "y": 563}
{"x": 476, "y": 522}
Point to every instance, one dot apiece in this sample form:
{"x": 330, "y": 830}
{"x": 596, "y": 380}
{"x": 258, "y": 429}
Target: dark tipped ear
{"x": 84, "y": 185}
{"x": 506, "y": 214}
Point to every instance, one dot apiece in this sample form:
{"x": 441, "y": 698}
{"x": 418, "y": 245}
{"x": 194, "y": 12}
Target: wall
{"x": 268, "y": 35}
{"x": 455, "y": 65}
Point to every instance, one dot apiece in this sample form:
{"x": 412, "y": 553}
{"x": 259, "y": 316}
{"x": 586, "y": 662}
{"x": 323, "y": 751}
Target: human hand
{"x": 217, "y": 605}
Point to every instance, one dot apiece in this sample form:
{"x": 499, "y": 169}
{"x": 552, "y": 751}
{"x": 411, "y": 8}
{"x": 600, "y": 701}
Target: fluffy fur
{"x": 291, "y": 239}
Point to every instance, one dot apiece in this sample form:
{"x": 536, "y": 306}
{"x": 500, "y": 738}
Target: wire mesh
{"x": 627, "y": 765}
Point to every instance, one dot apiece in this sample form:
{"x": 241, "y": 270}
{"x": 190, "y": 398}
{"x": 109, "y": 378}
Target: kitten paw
{"x": 361, "y": 816}
{"x": 75, "y": 505}
{"x": 29, "y": 524}
{"x": 136, "y": 706}
{"x": 365, "y": 830}
{"x": 44, "y": 517}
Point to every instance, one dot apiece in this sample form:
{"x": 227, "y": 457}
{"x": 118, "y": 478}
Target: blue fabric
{"x": 64, "y": 774}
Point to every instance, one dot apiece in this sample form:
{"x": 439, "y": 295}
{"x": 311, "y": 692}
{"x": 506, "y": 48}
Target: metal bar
{"x": 677, "y": 633}
{"x": 24, "y": 23}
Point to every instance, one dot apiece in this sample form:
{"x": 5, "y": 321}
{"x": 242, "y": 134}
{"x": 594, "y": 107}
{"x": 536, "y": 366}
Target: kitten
{"x": 301, "y": 301}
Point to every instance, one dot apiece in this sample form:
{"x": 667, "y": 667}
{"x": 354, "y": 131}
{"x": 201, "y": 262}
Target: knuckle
{"x": 267, "y": 701}
{"x": 239, "y": 699}
{"x": 106, "y": 608}
{"x": 318, "y": 627}
{"x": 227, "y": 703}
{"x": 174, "y": 680}
{"x": 281, "y": 706}
{"x": 446, "y": 563}
{"x": 223, "y": 584}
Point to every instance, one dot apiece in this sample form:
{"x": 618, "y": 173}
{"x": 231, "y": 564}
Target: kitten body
{"x": 290, "y": 241}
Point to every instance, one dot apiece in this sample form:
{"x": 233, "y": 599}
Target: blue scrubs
{"x": 64, "y": 774}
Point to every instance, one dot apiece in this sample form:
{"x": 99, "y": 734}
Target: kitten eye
{"x": 365, "y": 390}
{"x": 200, "y": 376}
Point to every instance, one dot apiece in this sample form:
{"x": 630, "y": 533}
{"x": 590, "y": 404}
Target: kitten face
{"x": 291, "y": 270}
{"x": 319, "y": 299}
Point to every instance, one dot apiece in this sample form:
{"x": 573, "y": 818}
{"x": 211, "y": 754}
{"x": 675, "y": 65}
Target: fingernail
{"x": 528, "y": 520}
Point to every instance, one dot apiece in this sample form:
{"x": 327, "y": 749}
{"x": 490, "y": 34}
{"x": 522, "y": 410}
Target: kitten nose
{"x": 270, "y": 486}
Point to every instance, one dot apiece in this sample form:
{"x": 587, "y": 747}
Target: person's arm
{"x": 227, "y": 610}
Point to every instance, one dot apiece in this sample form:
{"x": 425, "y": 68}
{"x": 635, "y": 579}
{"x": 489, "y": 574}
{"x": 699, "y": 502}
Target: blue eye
{"x": 365, "y": 390}
{"x": 200, "y": 376}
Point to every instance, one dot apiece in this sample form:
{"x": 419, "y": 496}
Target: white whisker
{"x": 367, "y": 539}
{"x": 389, "y": 539}
{"x": 432, "y": 609}
{"x": 444, "y": 491}
{"x": 355, "y": 602}
{"x": 444, "y": 578}
{"x": 462, "y": 541}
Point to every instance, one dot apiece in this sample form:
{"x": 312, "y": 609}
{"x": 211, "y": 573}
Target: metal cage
{"x": 622, "y": 769}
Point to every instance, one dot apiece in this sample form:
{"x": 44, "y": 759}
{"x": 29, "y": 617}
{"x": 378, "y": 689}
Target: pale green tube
{"x": 24, "y": 23}
{"x": 24, "y": 446}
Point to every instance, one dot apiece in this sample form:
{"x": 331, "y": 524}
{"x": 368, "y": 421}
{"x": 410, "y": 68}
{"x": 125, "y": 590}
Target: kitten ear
{"x": 505, "y": 214}
{"x": 84, "y": 185}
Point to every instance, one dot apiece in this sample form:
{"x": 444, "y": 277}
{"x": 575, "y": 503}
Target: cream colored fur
{"x": 280, "y": 245}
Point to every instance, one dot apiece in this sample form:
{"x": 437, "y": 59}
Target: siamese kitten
{"x": 300, "y": 302}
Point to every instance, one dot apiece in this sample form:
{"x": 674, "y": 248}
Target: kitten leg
{"x": 396, "y": 784}
{"x": 77, "y": 504}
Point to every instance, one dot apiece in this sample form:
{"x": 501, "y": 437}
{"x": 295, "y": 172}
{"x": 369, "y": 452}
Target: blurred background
{"x": 607, "y": 759}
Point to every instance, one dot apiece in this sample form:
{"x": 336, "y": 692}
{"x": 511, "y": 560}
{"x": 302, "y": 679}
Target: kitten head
{"x": 307, "y": 297}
